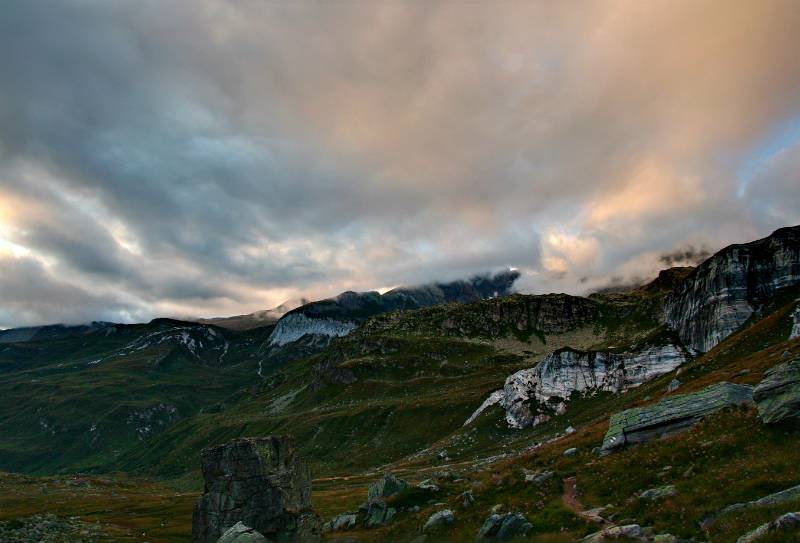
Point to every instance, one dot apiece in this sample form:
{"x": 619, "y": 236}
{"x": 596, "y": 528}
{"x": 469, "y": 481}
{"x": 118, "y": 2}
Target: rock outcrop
{"x": 672, "y": 414}
{"x": 386, "y": 487}
{"x": 789, "y": 522}
{"x": 724, "y": 291}
{"x": 240, "y": 533}
{"x": 439, "y": 519}
{"x": 504, "y": 527}
{"x": 260, "y": 482}
{"x": 795, "y": 332}
{"x": 533, "y": 395}
{"x": 777, "y": 396}
{"x": 786, "y": 495}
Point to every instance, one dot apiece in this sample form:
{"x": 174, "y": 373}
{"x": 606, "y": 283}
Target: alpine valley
{"x": 457, "y": 411}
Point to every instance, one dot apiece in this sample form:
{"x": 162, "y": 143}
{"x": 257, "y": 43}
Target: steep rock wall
{"x": 723, "y": 292}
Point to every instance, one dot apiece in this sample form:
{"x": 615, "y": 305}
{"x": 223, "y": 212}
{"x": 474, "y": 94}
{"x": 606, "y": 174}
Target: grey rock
{"x": 427, "y": 484}
{"x": 777, "y": 396}
{"x": 467, "y": 499}
{"x": 438, "y": 519}
{"x": 657, "y": 493}
{"x": 261, "y": 482}
{"x": 379, "y": 514}
{"x": 239, "y": 533}
{"x": 722, "y": 292}
{"x": 537, "y": 477}
{"x": 571, "y": 452}
{"x": 777, "y": 498}
{"x": 795, "y": 332}
{"x": 673, "y": 385}
{"x": 531, "y": 396}
{"x": 343, "y": 521}
{"x": 672, "y": 414}
{"x": 504, "y": 527}
{"x": 388, "y": 486}
{"x": 788, "y": 522}
{"x": 628, "y": 531}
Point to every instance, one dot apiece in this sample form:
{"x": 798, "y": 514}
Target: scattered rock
{"x": 468, "y": 499}
{"x": 239, "y": 533}
{"x": 443, "y": 455}
{"x": 571, "y": 452}
{"x": 795, "y": 333}
{"x": 537, "y": 477}
{"x": 784, "y": 523}
{"x": 342, "y": 522}
{"x": 386, "y": 487}
{"x": 657, "y": 493}
{"x": 427, "y": 484}
{"x": 629, "y": 531}
{"x": 504, "y": 527}
{"x": 745, "y": 371}
{"x": 777, "y": 396}
{"x": 673, "y": 385}
{"x": 569, "y": 431}
{"x": 260, "y": 482}
{"x": 440, "y": 518}
{"x": 672, "y": 414}
{"x": 379, "y": 514}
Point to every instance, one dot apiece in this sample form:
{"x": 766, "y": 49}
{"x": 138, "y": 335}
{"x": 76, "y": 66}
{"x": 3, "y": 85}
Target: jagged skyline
{"x": 211, "y": 159}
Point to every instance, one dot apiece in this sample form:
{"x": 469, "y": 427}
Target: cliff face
{"x": 722, "y": 293}
{"x": 532, "y": 395}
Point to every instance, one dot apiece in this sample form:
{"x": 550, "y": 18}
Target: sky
{"x": 209, "y": 158}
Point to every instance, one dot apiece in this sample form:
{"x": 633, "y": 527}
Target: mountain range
{"x": 463, "y": 386}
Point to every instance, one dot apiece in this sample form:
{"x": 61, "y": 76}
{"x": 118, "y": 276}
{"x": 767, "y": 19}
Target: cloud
{"x": 212, "y": 158}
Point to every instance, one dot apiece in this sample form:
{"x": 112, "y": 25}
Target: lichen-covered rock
{"x": 795, "y": 332}
{"x": 438, "y": 519}
{"x": 629, "y": 531}
{"x": 659, "y": 492}
{"x": 777, "y": 396}
{"x": 240, "y": 533}
{"x": 789, "y": 522}
{"x": 260, "y": 482}
{"x": 341, "y": 522}
{"x": 378, "y": 514}
{"x": 671, "y": 414}
{"x": 388, "y": 486}
{"x": 777, "y": 498}
{"x": 722, "y": 292}
{"x": 504, "y": 527}
{"x": 532, "y": 395}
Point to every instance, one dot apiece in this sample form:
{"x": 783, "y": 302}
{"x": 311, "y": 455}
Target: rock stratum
{"x": 534, "y": 395}
{"x": 723, "y": 292}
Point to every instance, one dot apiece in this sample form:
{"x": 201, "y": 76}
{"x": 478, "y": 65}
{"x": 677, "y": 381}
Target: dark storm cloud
{"x": 212, "y": 157}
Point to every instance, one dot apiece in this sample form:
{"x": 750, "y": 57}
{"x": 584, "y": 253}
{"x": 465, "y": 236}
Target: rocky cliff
{"x": 724, "y": 291}
{"x": 533, "y": 395}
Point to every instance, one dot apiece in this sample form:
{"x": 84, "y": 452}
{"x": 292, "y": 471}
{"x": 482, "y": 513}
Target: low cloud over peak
{"x": 209, "y": 158}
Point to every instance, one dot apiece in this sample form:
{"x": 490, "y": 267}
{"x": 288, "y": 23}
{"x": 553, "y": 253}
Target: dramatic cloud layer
{"x": 207, "y": 158}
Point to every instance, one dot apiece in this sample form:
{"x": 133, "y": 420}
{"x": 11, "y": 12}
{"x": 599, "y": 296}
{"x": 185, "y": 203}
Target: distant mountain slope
{"x": 338, "y": 316}
{"x": 256, "y": 319}
{"x": 50, "y": 331}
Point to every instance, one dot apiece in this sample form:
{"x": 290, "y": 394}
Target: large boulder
{"x": 388, "y": 486}
{"x": 778, "y": 395}
{"x": 504, "y": 527}
{"x": 672, "y": 414}
{"x": 438, "y": 519}
{"x": 260, "y": 482}
{"x": 239, "y": 533}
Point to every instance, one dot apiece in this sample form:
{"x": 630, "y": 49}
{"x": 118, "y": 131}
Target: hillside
{"x": 481, "y": 395}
